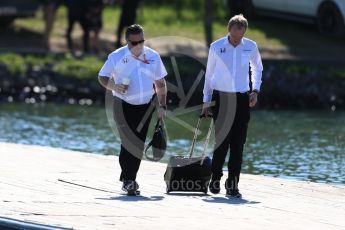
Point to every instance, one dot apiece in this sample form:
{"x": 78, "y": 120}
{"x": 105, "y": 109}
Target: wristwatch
{"x": 163, "y": 106}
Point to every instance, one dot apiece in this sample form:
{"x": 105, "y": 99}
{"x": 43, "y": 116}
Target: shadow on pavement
{"x": 230, "y": 200}
{"x": 134, "y": 198}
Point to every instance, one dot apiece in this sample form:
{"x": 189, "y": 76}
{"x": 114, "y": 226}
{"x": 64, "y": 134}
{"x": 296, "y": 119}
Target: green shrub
{"x": 84, "y": 68}
{"x": 14, "y": 63}
{"x": 67, "y": 65}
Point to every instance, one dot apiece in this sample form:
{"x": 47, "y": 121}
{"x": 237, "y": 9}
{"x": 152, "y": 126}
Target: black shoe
{"x": 214, "y": 186}
{"x": 130, "y": 186}
{"x": 233, "y": 194}
{"x": 232, "y": 190}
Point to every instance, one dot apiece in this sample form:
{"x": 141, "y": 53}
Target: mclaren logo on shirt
{"x": 125, "y": 60}
{"x": 222, "y": 50}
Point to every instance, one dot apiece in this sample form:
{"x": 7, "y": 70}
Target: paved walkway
{"x": 42, "y": 185}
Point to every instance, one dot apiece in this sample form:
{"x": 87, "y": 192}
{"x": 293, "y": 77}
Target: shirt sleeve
{"x": 108, "y": 69}
{"x": 256, "y": 69}
{"x": 160, "y": 69}
{"x": 211, "y": 63}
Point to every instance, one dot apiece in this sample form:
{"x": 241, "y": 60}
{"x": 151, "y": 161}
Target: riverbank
{"x": 69, "y": 80}
{"x": 45, "y": 185}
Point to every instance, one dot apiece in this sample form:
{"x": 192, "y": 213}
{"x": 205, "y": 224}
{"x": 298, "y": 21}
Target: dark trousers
{"x": 72, "y": 19}
{"x": 132, "y": 122}
{"x": 127, "y": 18}
{"x": 231, "y": 114}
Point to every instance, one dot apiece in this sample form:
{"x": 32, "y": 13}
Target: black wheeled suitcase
{"x": 190, "y": 174}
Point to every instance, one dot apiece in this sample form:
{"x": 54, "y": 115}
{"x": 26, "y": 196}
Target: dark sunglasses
{"x": 134, "y": 43}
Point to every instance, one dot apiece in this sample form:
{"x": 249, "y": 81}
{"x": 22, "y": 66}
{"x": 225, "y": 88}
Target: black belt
{"x": 231, "y": 93}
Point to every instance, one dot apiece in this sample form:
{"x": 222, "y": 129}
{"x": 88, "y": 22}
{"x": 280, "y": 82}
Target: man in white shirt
{"x": 227, "y": 85}
{"x": 135, "y": 74}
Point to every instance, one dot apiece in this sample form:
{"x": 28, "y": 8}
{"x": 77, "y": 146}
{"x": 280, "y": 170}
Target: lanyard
{"x": 145, "y": 61}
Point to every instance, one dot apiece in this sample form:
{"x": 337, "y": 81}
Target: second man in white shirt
{"x": 227, "y": 86}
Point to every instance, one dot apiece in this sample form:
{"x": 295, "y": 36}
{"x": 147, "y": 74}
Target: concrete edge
{"x": 9, "y": 224}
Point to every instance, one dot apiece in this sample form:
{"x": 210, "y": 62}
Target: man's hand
{"x": 206, "y": 109}
{"x": 119, "y": 88}
{"x": 161, "y": 113}
{"x": 109, "y": 84}
{"x": 253, "y": 99}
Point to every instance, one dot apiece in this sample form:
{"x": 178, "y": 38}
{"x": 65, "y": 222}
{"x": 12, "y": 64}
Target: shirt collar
{"x": 226, "y": 41}
{"x": 129, "y": 53}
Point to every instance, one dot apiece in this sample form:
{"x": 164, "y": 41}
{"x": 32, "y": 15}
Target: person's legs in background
{"x": 77, "y": 12}
{"x": 71, "y": 21}
{"x": 49, "y": 13}
{"x": 120, "y": 28}
{"x": 85, "y": 25}
{"x": 96, "y": 24}
{"x": 94, "y": 41}
{"x": 127, "y": 18}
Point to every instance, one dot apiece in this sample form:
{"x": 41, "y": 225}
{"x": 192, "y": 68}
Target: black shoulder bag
{"x": 158, "y": 143}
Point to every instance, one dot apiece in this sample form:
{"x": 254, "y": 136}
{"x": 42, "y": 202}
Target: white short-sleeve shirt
{"x": 141, "y": 71}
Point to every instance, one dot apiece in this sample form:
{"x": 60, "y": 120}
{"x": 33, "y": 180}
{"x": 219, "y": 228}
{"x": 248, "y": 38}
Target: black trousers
{"x": 231, "y": 115}
{"x": 82, "y": 20}
{"x": 132, "y": 122}
{"x": 127, "y": 18}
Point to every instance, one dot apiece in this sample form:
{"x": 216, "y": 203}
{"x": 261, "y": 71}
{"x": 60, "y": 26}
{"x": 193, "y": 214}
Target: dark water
{"x": 305, "y": 145}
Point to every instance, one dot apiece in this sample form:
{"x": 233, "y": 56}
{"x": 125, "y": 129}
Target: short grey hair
{"x": 238, "y": 20}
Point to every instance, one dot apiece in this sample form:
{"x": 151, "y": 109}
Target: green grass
{"x": 164, "y": 21}
{"x": 83, "y": 68}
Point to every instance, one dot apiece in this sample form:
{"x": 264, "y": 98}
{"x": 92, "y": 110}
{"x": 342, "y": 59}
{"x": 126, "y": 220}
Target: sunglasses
{"x": 134, "y": 43}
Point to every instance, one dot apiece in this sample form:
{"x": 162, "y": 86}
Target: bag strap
{"x": 196, "y": 133}
{"x": 147, "y": 147}
{"x": 158, "y": 124}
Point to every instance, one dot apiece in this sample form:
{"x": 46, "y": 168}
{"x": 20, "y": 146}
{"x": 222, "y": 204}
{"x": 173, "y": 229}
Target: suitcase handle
{"x": 196, "y": 136}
